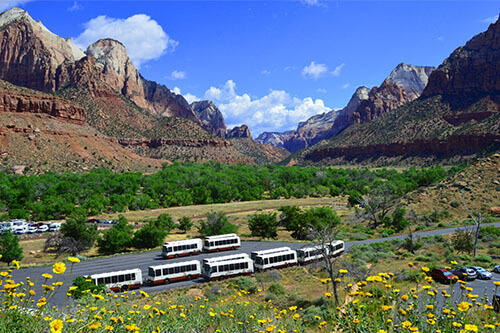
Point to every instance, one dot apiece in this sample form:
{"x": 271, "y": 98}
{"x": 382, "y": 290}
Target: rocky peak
{"x": 412, "y": 79}
{"x": 472, "y": 68}
{"x": 211, "y": 118}
{"x": 274, "y": 138}
{"x": 239, "y": 132}
{"x": 112, "y": 54}
{"x": 30, "y": 53}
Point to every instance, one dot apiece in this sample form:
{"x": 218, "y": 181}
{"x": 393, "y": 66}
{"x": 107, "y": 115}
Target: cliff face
{"x": 211, "y": 118}
{"x": 120, "y": 73}
{"x": 239, "y": 132}
{"x": 29, "y": 53}
{"x": 273, "y": 138}
{"x": 473, "y": 68}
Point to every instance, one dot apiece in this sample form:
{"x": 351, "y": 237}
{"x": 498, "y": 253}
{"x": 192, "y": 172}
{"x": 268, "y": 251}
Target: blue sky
{"x": 270, "y": 64}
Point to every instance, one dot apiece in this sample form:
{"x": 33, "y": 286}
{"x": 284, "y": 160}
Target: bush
{"x": 116, "y": 239}
{"x": 9, "y": 247}
{"x": 484, "y": 258}
{"x": 149, "y": 236}
{"x": 263, "y": 225}
{"x": 244, "y": 283}
{"x": 216, "y": 224}
{"x": 454, "y": 204}
{"x": 276, "y": 288}
{"x": 165, "y": 222}
{"x": 270, "y": 297}
{"x": 76, "y": 227}
{"x": 84, "y": 285}
{"x": 185, "y": 224}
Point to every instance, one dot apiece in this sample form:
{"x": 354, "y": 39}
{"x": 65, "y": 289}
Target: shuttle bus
{"x": 278, "y": 259}
{"x": 336, "y": 248}
{"x": 221, "y": 243}
{"x": 254, "y": 254}
{"x": 227, "y": 266}
{"x": 120, "y": 280}
{"x": 307, "y": 255}
{"x": 182, "y": 248}
{"x": 185, "y": 270}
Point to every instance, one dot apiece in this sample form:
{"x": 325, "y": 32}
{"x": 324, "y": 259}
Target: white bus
{"x": 336, "y": 248}
{"x": 182, "y": 248}
{"x": 277, "y": 259}
{"x": 120, "y": 280}
{"x": 221, "y": 243}
{"x": 307, "y": 255}
{"x": 227, "y": 266}
{"x": 185, "y": 270}
{"x": 254, "y": 254}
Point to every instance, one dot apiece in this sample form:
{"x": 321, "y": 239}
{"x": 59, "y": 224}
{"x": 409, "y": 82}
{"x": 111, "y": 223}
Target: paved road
{"x": 146, "y": 259}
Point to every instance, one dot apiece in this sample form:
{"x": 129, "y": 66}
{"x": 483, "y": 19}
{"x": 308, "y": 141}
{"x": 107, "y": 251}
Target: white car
{"x": 32, "y": 228}
{"x": 43, "y": 228}
{"x": 56, "y": 226}
{"x": 19, "y": 227}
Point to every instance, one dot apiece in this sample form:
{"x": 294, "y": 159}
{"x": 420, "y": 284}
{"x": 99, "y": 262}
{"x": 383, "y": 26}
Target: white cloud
{"x": 491, "y": 19}
{"x": 76, "y": 6}
{"x": 345, "y": 86}
{"x": 337, "y": 70}
{"x": 276, "y": 111}
{"x": 7, "y": 4}
{"x": 265, "y": 72}
{"x": 189, "y": 97}
{"x": 314, "y": 70}
{"x": 177, "y": 75}
{"x": 143, "y": 37}
{"x": 440, "y": 38}
{"x": 321, "y": 90}
{"x": 289, "y": 68}
{"x": 316, "y": 3}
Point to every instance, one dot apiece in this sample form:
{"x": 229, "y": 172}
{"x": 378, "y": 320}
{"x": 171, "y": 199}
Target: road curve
{"x": 150, "y": 258}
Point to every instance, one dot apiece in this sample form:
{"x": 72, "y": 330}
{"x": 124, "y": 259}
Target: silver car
{"x": 496, "y": 269}
{"x": 482, "y": 274}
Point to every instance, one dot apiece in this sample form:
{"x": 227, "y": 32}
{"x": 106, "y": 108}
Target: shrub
{"x": 484, "y": 258}
{"x": 117, "y": 238}
{"x": 9, "y": 247}
{"x": 263, "y": 225}
{"x": 276, "y": 288}
{"x": 76, "y": 227}
{"x": 84, "y": 285}
{"x": 244, "y": 283}
{"x": 185, "y": 224}
{"x": 216, "y": 224}
{"x": 149, "y": 236}
{"x": 454, "y": 204}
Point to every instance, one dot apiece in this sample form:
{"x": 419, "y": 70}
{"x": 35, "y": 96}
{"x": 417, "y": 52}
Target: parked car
{"x": 6, "y": 226}
{"x": 496, "y": 269}
{"x": 94, "y": 221}
{"x": 33, "y": 228}
{"x": 19, "y": 226}
{"x": 482, "y": 274}
{"x": 43, "y": 228}
{"x": 465, "y": 273}
{"x": 444, "y": 276}
{"x": 496, "y": 302}
{"x": 55, "y": 226}
{"x": 109, "y": 221}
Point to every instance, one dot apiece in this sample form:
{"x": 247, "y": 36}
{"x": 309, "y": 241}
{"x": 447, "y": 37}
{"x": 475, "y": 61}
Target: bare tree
{"x": 377, "y": 206}
{"x": 324, "y": 235}
{"x": 477, "y": 221}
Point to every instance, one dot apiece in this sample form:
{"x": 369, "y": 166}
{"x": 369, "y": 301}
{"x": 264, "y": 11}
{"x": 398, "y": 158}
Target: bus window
{"x": 158, "y": 272}
{"x": 176, "y": 269}
{"x": 171, "y": 270}
{"x": 213, "y": 269}
{"x": 121, "y": 278}
{"x": 266, "y": 261}
{"x": 169, "y": 249}
{"x": 165, "y": 271}
{"x": 132, "y": 276}
{"x": 100, "y": 281}
{"x": 151, "y": 272}
{"x": 107, "y": 280}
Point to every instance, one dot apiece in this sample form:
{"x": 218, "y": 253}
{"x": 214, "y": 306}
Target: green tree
{"x": 149, "y": 236}
{"x": 117, "y": 238}
{"x": 165, "y": 221}
{"x": 185, "y": 224}
{"x": 216, "y": 224}
{"x": 264, "y": 225}
{"x": 76, "y": 227}
{"x": 9, "y": 247}
{"x": 399, "y": 221}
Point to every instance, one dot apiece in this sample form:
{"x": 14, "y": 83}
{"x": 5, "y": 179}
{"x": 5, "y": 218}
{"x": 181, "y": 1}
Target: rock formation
{"x": 211, "y": 118}
{"x": 239, "y": 132}
{"x": 273, "y": 138}
{"x": 473, "y": 68}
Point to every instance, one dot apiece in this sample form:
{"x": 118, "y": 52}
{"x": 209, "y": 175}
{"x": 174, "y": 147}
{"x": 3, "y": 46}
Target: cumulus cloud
{"x": 491, "y": 19}
{"x": 7, "y": 4}
{"x": 189, "y": 97}
{"x": 276, "y": 111}
{"x": 314, "y": 70}
{"x": 143, "y": 37}
{"x": 337, "y": 70}
{"x": 177, "y": 75}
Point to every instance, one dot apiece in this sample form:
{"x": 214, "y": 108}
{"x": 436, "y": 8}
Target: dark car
{"x": 496, "y": 302}
{"x": 94, "y": 221}
{"x": 465, "y": 273}
{"x": 444, "y": 276}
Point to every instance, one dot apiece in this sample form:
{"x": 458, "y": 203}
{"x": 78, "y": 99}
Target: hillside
{"x": 479, "y": 183}
{"x": 456, "y": 117}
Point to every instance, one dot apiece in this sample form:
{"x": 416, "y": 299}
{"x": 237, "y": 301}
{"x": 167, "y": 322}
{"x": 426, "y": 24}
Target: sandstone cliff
{"x": 239, "y": 132}
{"x": 211, "y": 118}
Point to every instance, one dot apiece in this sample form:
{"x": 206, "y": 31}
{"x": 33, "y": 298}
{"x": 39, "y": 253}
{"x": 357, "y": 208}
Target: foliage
{"x": 165, "y": 222}
{"x": 63, "y": 245}
{"x": 463, "y": 241}
{"x": 300, "y": 222}
{"x": 54, "y": 196}
{"x": 117, "y": 238}
{"x": 216, "y": 224}
{"x": 264, "y": 225}
{"x": 398, "y": 221}
{"x": 76, "y": 227}
{"x": 185, "y": 224}
{"x": 9, "y": 247}
{"x": 149, "y": 236}
{"x": 83, "y": 284}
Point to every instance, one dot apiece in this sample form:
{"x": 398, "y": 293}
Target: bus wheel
{"x": 124, "y": 288}
{"x": 190, "y": 277}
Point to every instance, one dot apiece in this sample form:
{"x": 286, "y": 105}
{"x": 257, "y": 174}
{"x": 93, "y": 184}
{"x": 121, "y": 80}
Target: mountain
{"x": 273, "y": 138}
{"x": 107, "y": 95}
{"x": 405, "y": 83}
{"x": 239, "y": 132}
{"x": 211, "y": 118}
{"x": 457, "y": 117}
